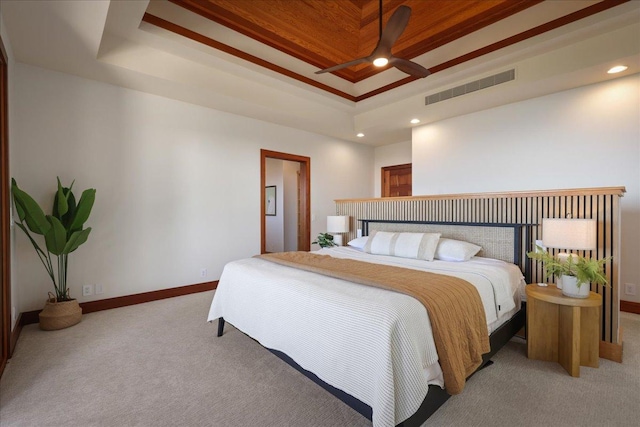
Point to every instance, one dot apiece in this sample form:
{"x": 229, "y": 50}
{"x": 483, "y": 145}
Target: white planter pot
{"x": 570, "y": 287}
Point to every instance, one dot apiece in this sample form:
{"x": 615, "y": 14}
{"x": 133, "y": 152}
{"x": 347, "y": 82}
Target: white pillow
{"x": 359, "y": 242}
{"x": 455, "y": 250}
{"x": 405, "y": 245}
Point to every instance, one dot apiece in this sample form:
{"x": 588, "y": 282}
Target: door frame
{"x": 305, "y": 183}
{"x": 5, "y": 214}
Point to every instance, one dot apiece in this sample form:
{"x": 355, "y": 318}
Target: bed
{"x": 373, "y": 348}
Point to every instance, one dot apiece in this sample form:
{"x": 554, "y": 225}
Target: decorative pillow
{"x": 359, "y": 242}
{"x": 405, "y": 245}
{"x": 455, "y": 250}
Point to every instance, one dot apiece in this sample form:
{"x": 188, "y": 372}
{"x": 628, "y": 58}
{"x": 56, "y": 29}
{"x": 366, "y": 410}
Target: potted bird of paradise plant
{"x": 63, "y": 232}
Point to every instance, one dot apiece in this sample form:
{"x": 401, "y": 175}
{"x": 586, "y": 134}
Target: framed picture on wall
{"x": 270, "y": 200}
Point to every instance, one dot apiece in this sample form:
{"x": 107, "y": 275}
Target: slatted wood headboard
{"x": 525, "y": 207}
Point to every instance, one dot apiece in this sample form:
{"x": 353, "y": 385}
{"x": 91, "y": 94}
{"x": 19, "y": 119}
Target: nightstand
{"x": 563, "y": 329}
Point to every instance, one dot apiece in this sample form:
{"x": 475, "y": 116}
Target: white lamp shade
{"x": 569, "y": 233}
{"x": 337, "y": 224}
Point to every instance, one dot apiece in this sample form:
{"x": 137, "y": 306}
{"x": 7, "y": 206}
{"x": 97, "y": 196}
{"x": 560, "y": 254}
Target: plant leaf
{"x": 33, "y": 214}
{"x": 60, "y": 202}
{"x": 83, "y": 209}
{"x": 33, "y": 242}
{"x": 19, "y": 210}
{"x": 71, "y": 213}
{"x": 76, "y": 239}
{"x": 56, "y": 237}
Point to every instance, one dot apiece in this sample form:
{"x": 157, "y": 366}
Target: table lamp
{"x": 336, "y": 225}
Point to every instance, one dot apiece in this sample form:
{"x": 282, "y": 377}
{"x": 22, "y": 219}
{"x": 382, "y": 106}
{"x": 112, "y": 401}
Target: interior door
{"x": 396, "y": 181}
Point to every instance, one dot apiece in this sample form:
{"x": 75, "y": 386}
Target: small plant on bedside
{"x": 574, "y": 272}
{"x": 586, "y": 270}
{"x": 325, "y": 240}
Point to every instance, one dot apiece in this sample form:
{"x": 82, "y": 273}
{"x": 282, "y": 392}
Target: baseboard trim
{"x": 15, "y": 334}
{"x": 107, "y": 304}
{"x": 30, "y": 317}
{"x": 630, "y": 307}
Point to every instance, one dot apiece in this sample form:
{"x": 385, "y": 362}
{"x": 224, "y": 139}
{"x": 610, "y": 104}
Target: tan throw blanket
{"x": 454, "y": 306}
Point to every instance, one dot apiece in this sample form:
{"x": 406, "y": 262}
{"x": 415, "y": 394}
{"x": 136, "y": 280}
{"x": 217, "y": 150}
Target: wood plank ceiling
{"x": 324, "y": 33}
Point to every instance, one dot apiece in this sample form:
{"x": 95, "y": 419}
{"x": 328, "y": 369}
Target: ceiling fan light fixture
{"x": 617, "y": 69}
{"x": 380, "y": 62}
{"x": 382, "y": 55}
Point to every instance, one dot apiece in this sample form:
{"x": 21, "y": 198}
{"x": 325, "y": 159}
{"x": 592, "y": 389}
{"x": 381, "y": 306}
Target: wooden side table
{"x": 563, "y": 329}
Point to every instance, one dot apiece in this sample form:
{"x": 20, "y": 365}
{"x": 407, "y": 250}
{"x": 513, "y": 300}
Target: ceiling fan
{"x": 381, "y": 55}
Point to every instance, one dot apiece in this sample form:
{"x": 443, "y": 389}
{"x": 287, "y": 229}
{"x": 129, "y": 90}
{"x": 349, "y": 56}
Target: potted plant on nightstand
{"x": 576, "y": 272}
{"x": 325, "y": 240}
{"x": 63, "y": 233}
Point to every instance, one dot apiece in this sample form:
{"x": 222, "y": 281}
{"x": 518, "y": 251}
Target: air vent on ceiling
{"x": 496, "y": 79}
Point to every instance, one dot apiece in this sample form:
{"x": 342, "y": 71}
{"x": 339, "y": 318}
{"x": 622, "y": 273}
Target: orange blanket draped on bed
{"x": 454, "y": 306}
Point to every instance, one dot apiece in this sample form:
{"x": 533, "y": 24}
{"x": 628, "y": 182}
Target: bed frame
{"x": 508, "y": 242}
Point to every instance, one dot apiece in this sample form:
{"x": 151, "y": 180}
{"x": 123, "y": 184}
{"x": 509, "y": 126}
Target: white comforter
{"x": 374, "y": 344}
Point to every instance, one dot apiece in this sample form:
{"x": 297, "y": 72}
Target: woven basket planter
{"x": 59, "y": 315}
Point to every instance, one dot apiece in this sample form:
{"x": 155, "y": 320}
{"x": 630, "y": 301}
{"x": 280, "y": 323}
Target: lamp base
{"x": 337, "y": 239}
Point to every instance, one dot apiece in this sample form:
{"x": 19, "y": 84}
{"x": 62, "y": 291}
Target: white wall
{"x": 581, "y": 138}
{"x": 389, "y": 155}
{"x": 178, "y": 185}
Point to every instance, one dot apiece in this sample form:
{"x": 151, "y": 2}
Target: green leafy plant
{"x": 586, "y": 270}
{"x": 62, "y": 231}
{"x": 325, "y": 240}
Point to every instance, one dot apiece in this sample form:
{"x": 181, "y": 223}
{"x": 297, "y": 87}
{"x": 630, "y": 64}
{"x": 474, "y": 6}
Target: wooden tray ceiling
{"x": 325, "y": 33}
{"x": 329, "y": 32}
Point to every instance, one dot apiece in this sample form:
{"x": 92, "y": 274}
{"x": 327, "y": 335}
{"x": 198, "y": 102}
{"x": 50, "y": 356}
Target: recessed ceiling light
{"x": 360, "y": 135}
{"x": 415, "y": 121}
{"x": 617, "y": 69}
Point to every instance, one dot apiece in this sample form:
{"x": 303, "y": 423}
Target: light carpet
{"x": 161, "y": 364}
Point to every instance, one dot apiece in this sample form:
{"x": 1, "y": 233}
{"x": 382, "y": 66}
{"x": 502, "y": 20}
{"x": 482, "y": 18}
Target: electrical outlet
{"x": 629, "y": 289}
{"x": 203, "y": 272}
{"x": 87, "y": 290}
{"x": 99, "y": 289}
{"x": 14, "y": 316}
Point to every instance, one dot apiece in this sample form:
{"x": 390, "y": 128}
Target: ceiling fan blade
{"x": 395, "y": 26}
{"x": 345, "y": 65}
{"x": 409, "y": 67}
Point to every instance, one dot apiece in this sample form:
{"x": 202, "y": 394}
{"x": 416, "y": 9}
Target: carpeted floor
{"x": 160, "y": 364}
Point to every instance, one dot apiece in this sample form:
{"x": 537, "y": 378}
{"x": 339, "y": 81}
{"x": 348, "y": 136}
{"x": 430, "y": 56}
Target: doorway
{"x": 396, "y": 181}
{"x": 282, "y": 205}
{"x": 301, "y": 166}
